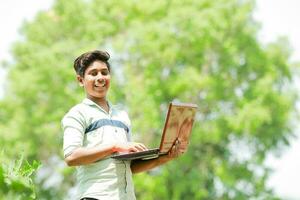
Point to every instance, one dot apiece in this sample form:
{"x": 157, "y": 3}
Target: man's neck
{"x": 102, "y": 103}
{"x": 104, "y": 106}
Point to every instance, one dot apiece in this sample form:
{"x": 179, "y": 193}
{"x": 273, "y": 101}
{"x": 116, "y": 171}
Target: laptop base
{"x": 143, "y": 155}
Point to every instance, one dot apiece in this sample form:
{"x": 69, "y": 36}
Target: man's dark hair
{"x": 85, "y": 60}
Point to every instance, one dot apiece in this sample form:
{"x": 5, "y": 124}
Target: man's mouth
{"x": 102, "y": 84}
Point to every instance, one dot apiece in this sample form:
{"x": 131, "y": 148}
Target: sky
{"x": 281, "y": 18}
{"x": 278, "y": 18}
{"x": 12, "y": 15}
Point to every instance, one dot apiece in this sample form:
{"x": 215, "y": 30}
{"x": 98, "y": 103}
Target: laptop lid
{"x": 178, "y": 125}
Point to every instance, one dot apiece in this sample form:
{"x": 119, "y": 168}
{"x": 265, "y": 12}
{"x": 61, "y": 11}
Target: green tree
{"x": 200, "y": 51}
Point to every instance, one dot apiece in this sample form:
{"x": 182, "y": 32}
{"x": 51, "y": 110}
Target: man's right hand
{"x": 129, "y": 147}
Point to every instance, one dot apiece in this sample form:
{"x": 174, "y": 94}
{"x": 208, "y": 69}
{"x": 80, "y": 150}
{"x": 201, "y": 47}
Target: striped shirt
{"x": 88, "y": 125}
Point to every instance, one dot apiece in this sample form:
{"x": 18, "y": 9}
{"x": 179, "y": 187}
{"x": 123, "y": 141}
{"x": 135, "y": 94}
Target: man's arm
{"x": 83, "y": 155}
{"x": 138, "y": 166}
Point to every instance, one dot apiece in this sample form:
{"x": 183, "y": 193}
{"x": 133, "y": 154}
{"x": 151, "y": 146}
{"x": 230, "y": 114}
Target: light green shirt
{"x": 88, "y": 125}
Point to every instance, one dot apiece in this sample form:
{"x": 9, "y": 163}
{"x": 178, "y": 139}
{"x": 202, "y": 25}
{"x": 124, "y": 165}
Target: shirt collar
{"x": 92, "y": 103}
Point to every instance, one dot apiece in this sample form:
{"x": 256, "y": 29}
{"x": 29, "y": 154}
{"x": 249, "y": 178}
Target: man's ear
{"x": 80, "y": 80}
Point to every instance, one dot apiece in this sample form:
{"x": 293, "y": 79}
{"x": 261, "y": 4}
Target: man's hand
{"x": 177, "y": 149}
{"x": 129, "y": 147}
{"x": 144, "y": 165}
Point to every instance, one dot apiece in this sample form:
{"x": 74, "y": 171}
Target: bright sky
{"x": 281, "y": 17}
{"x": 278, "y": 17}
{"x": 12, "y": 15}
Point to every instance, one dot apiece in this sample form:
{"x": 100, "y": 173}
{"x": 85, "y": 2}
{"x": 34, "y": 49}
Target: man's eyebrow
{"x": 93, "y": 69}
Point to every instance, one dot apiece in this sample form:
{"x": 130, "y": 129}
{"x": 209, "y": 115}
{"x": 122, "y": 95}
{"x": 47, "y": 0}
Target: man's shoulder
{"x": 119, "y": 108}
{"x": 77, "y": 109}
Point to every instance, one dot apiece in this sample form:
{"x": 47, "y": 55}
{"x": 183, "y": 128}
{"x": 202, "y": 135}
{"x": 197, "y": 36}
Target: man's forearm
{"x": 138, "y": 166}
{"x": 83, "y": 156}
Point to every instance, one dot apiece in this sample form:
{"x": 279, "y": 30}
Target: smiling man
{"x": 95, "y": 129}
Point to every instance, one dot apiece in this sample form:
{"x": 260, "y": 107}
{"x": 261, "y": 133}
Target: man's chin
{"x": 98, "y": 96}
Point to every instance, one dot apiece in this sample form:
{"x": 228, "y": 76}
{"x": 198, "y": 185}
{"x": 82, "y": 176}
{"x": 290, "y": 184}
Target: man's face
{"x": 96, "y": 81}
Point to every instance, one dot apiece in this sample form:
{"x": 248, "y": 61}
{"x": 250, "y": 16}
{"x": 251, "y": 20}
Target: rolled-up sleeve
{"x": 73, "y": 126}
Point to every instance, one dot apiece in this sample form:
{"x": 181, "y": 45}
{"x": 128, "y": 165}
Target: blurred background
{"x": 238, "y": 60}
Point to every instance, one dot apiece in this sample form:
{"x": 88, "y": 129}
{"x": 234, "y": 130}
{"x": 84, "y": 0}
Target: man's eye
{"x": 104, "y": 73}
{"x": 94, "y": 73}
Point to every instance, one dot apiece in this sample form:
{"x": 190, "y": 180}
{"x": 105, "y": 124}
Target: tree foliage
{"x": 206, "y": 52}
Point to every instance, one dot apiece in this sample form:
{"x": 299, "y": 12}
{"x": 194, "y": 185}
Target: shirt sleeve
{"x": 73, "y": 126}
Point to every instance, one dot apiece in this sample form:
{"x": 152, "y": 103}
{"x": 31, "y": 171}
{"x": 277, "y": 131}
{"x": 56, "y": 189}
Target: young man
{"x": 95, "y": 129}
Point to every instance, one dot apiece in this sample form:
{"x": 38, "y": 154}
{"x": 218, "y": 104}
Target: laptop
{"x": 178, "y": 126}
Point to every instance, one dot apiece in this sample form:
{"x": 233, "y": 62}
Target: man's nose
{"x": 100, "y": 77}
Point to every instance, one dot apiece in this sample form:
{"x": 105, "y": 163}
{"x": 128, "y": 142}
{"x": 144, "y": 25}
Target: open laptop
{"x": 177, "y": 128}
